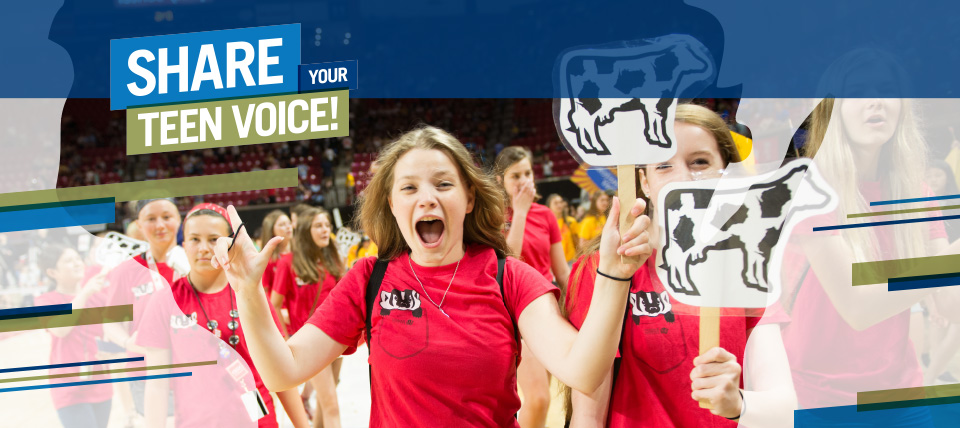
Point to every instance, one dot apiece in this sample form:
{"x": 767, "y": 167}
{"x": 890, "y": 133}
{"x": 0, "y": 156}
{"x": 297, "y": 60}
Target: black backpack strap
{"x": 501, "y": 266}
{"x": 370, "y": 296}
{"x": 373, "y": 288}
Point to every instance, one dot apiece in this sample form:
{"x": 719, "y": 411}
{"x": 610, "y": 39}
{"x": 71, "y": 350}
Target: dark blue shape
{"x": 336, "y": 75}
{"x": 850, "y": 416}
{"x": 64, "y": 216}
{"x": 82, "y": 363}
{"x": 603, "y": 178}
{"x": 907, "y": 201}
{"x": 94, "y": 382}
{"x": 885, "y": 223}
{"x": 35, "y": 311}
{"x": 923, "y": 281}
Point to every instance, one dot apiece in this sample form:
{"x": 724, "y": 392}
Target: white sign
{"x": 724, "y": 248}
{"x": 617, "y": 102}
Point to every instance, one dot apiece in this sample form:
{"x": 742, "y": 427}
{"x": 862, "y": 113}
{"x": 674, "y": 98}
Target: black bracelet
{"x": 235, "y": 235}
{"x": 613, "y": 277}
{"x": 743, "y": 407}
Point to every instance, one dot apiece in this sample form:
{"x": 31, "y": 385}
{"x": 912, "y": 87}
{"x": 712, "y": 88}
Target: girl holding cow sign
{"x": 659, "y": 377}
{"x": 438, "y": 222}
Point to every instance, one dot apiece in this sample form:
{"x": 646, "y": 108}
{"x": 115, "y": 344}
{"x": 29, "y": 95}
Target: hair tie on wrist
{"x": 235, "y": 235}
{"x": 613, "y": 277}
{"x": 743, "y": 407}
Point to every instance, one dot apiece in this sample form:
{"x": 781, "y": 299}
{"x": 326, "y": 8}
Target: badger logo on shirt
{"x": 183, "y": 321}
{"x": 400, "y": 300}
{"x": 650, "y": 304}
{"x": 143, "y": 289}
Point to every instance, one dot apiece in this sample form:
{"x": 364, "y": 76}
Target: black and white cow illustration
{"x": 603, "y": 88}
{"x": 402, "y": 300}
{"x": 753, "y": 227}
{"x": 650, "y": 304}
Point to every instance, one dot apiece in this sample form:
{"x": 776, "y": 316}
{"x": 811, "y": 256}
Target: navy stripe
{"x": 886, "y": 223}
{"x": 82, "y": 363}
{"x": 36, "y": 311}
{"x": 926, "y": 281}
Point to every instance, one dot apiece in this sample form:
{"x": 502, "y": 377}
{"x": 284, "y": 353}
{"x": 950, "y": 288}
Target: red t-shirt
{"x": 831, "y": 361}
{"x": 539, "y": 234}
{"x": 268, "y": 276}
{"x": 77, "y": 346}
{"x": 211, "y": 395}
{"x": 131, "y": 282}
{"x": 429, "y": 369}
{"x": 300, "y": 299}
{"x": 653, "y": 385}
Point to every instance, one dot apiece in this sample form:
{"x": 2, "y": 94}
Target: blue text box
{"x": 62, "y": 216}
{"x": 328, "y": 75}
{"x": 244, "y": 62}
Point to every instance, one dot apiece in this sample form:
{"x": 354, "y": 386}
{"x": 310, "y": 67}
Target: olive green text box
{"x": 879, "y": 272}
{"x": 237, "y": 122}
{"x": 165, "y": 188}
{"x": 908, "y": 397}
{"x": 84, "y": 316}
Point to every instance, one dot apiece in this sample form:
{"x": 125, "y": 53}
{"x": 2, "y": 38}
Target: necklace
{"x": 212, "y": 323}
{"x": 444, "y": 292}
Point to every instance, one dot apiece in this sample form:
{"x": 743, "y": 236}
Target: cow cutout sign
{"x": 724, "y": 248}
{"x": 617, "y": 102}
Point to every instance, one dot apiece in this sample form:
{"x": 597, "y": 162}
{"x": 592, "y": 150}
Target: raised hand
{"x": 716, "y": 381}
{"x": 523, "y": 198}
{"x": 243, "y": 264}
{"x": 634, "y": 243}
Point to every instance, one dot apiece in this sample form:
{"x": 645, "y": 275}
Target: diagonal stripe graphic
{"x": 81, "y": 363}
{"x": 165, "y": 188}
{"x": 85, "y": 316}
{"x": 94, "y": 382}
{"x": 35, "y": 311}
{"x": 102, "y": 372}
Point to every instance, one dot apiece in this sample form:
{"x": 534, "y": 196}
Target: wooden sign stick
{"x": 709, "y": 334}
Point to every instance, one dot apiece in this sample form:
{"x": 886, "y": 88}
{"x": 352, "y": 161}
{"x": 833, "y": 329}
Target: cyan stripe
{"x": 93, "y": 382}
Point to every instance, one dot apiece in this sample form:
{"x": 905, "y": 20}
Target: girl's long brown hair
{"x": 508, "y": 157}
{"x": 307, "y": 256}
{"x": 593, "y": 210}
{"x": 481, "y": 226}
{"x": 266, "y": 231}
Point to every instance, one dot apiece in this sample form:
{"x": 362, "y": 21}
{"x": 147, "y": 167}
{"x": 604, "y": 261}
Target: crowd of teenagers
{"x": 466, "y": 289}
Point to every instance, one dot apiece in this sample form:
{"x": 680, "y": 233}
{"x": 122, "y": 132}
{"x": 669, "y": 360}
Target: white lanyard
{"x": 155, "y": 276}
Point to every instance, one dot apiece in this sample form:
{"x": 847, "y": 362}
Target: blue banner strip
{"x": 94, "y": 382}
{"x": 925, "y": 281}
{"x": 64, "y": 216}
{"x": 36, "y": 311}
{"x": 82, "y": 363}
{"x": 886, "y": 223}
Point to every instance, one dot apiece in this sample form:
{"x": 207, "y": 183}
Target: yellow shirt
{"x": 567, "y": 230}
{"x": 591, "y": 227}
{"x": 354, "y": 254}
